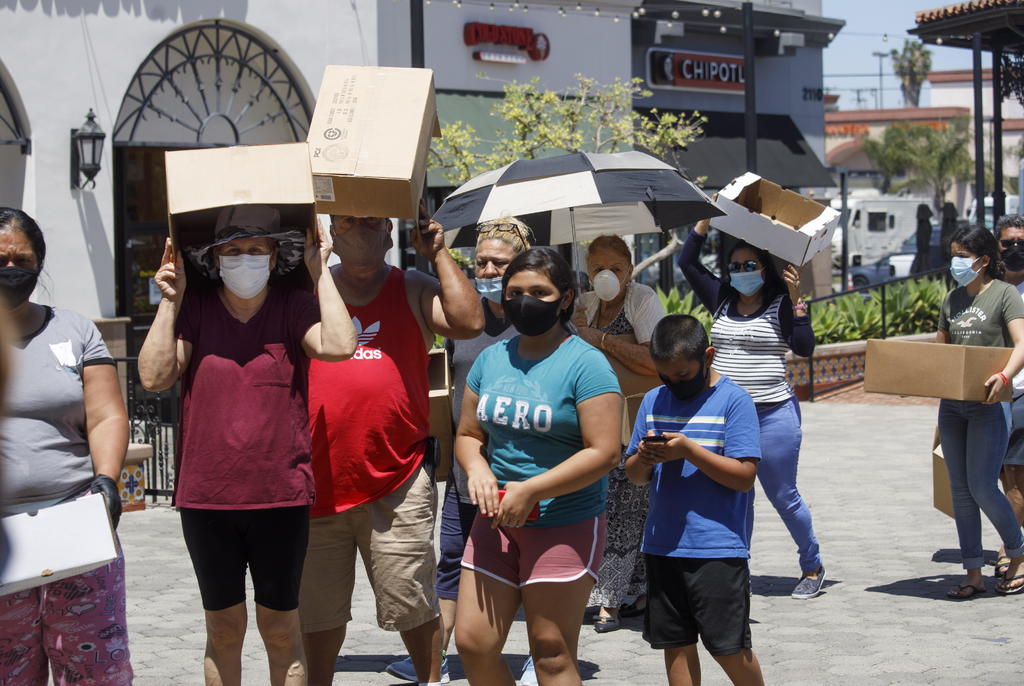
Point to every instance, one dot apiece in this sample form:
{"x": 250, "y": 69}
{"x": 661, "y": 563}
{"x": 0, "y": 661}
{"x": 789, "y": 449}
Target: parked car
{"x": 908, "y": 251}
{"x": 877, "y": 272}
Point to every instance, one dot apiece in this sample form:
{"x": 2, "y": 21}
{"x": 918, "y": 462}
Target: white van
{"x": 879, "y": 224}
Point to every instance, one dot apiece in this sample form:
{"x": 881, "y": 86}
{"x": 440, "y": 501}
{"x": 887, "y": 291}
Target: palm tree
{"x": 912, "y": 65}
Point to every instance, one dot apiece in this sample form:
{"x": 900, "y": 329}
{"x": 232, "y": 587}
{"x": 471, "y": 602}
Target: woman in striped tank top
{"x": 758, "y": 319}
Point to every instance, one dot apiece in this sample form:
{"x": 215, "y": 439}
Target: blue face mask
{"x": 747, "y": 283}
{"x": 490, "y": 289}
{"x": 962, "y": 269}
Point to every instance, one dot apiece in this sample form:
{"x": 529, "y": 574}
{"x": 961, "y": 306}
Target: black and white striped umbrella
{"x": 577, "y": 197}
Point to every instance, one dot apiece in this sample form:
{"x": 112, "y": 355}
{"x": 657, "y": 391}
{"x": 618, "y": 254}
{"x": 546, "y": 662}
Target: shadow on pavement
{"x": 377, "y": 663}
{"x": 780, "y": 586}
{"x": 932, "y": 587}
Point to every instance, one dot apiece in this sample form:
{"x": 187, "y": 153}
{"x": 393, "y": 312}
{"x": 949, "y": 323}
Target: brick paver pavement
{"x": 890, "y": 556}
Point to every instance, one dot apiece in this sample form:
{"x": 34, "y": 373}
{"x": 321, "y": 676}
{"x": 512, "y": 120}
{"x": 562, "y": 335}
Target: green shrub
{"x": 911, "y": 307}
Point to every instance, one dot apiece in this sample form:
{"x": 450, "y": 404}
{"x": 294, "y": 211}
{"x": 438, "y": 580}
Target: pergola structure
{"x": 995, "y": 26}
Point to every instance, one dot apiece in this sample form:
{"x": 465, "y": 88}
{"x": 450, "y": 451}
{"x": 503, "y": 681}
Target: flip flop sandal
{"x": 1002, "y": 564}
{"x": 603, "y": 625}
{"x": 1001, "y": 587}
{"x": 958, "y": 592}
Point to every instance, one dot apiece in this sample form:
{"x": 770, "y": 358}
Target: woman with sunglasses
{"x": 986, "y": 311}
{"x": 758, "y": 318}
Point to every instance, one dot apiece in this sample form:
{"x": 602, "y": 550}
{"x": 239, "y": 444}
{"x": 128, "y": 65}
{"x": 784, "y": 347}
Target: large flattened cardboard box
{"x": 784, "y": 223}
{"x": 932, "y": 370}
{"x": 441, "y": 424}
{"x": 942, "y": 494}
{"x": 369, "y": 139}
{"x": 201, "y": 182}
{"x": 56, "y": 543}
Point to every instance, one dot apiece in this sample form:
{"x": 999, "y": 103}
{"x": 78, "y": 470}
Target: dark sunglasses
{"x": 748, "y": 266}
{"x": 1008, "y": 243}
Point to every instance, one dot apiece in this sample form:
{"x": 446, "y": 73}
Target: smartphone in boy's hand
{"x": 655, "y": 440}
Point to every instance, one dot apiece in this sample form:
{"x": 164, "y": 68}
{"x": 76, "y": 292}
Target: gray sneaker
{"x": 403, "y": 669}
{"x": 810, "y": 587}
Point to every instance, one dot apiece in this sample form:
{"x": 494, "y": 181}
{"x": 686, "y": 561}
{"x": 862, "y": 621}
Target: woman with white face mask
{"x": 618, "y": 317}
{"x": 243, "y": 480}
{"x": 982, "y": 310}
{"x": 758, "y": 318}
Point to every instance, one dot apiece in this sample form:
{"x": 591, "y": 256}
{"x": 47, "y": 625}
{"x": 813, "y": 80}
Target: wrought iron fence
{"x": 938, "y": 272}
{"x": 153, "y": 419}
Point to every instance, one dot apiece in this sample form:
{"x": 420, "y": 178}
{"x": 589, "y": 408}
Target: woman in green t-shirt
{"x": 982, "y": 311}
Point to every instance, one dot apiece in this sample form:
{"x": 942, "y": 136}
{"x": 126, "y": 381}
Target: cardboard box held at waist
{"x": 768, "y": 216}
{"x": 369, "y": 138}
{"x": 201, "y": 182}
{"x": 932, "y": 370}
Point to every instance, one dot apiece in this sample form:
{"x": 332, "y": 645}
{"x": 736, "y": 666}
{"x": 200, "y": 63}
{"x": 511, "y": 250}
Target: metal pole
{"x": 880, "y": 101}
{"x": 979, "y": 133}
{"x": 883, "y": 310}
{"x": 998, "y": 194}
{"x": 749, "y": 88}
{"x": 810, "y": 363}
{"x": 418, "y": 58}
{"x": 844, "y": 220}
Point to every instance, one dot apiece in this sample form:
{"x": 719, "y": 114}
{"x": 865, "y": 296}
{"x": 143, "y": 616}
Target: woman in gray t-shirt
{"x": 983, "y": 311}
{"x": 64, "y": 434}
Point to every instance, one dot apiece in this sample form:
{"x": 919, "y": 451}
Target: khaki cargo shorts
{"x": 395, "y": 538}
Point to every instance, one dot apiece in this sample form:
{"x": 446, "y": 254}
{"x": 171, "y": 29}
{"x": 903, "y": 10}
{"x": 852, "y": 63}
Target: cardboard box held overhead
{"x": 201, "y": 182}
{"x": 784, "y": 223}
{"x": 932, "y": 370}
{"x": 369, "y": 138}
{"x": 56, "y": 543}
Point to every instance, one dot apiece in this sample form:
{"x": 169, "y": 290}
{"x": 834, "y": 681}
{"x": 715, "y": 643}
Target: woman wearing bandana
{"x": 983, "y": 310}
{"x": 64, "y": 434}
{"x": 758, "y": 318}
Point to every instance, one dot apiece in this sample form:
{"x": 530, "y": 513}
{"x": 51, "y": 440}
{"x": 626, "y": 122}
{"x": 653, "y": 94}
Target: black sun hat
{"x": 250, "y": 221}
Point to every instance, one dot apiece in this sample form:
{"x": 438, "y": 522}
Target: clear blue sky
{"x": 866, "y": 23}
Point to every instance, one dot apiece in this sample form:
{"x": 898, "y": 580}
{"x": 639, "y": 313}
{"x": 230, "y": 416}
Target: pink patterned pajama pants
{"x": 76, "y": 627}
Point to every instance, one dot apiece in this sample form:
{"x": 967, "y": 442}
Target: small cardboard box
{"x": 369, "y": 139}
{"x": 57, "y": 542}
{"x": 441, "y": 425}
{"x": 784, "y": 223}
{"x": 942, "y": 495}
{"x": 932, "y": 370}
{"x": 201, "y": 182}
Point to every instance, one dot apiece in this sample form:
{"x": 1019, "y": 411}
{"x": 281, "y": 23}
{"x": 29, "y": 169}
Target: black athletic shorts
{"x": 271, "y": 543}
{"x": 689, "y": 597}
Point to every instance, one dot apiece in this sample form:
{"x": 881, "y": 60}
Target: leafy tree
{"x": 941, "y": 157}
{"x": 890, "y": 154}
{"x": 589, "y": 117}
{"x": 911, "y": 65}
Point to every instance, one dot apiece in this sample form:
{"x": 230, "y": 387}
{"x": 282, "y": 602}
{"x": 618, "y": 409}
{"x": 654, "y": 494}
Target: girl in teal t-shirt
{"x": 540, "y": 425}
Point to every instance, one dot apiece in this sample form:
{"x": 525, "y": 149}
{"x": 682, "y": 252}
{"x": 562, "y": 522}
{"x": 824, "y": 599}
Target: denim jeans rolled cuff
{"x": 781, "y": 436}
{"x": 974, "y": 438}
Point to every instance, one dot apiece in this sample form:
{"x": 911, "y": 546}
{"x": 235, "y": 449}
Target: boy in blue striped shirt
{"x": 696, "y": 442}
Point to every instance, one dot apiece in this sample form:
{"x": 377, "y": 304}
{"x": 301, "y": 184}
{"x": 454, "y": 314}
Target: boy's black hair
{"x": 678, "y": 336}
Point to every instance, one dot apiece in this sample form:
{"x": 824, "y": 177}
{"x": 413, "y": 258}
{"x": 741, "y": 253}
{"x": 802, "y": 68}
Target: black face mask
{"x": 688, "y": 389}
{"x": 1013, "y": 258}
{"x": 532, "y": 316}
{"x": 17, "y": 284}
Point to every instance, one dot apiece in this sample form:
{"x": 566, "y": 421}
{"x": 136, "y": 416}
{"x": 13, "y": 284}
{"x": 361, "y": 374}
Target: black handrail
{"x": 938, "y": 271}
{"x": 153, "y": 420}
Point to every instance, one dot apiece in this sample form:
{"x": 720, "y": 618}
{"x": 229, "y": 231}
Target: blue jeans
{"x": 974, "y": 440}
{"x": 780, "y": 451}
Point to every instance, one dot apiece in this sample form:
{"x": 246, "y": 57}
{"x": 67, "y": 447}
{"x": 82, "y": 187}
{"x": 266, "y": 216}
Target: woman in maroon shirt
{"x": 243, "y": 482}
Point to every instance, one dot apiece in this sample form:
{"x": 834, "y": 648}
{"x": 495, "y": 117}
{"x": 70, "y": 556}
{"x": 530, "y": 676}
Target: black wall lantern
{"x": 86, "y": 150}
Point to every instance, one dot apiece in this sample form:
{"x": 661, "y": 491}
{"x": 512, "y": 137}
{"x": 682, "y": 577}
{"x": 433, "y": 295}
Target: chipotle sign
{"x": 695, "y": 70}
{"x": 536, "y": 45}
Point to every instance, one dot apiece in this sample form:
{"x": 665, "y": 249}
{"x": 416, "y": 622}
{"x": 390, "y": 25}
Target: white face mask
{"x": 606, "y": 285}
{"x": 245, "y": 275}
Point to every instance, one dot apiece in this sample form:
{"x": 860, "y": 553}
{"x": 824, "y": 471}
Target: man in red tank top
{"x": 369, "y": 419}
